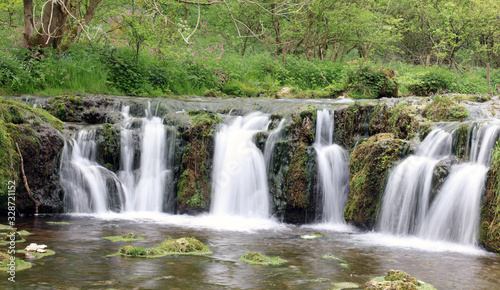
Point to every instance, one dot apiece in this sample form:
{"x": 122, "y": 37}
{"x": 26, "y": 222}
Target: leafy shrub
{"x": 370, "y": 82}
{"x": 431, "y": 83}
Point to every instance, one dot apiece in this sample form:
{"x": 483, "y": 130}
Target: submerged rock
{"x": 256, "y": 258}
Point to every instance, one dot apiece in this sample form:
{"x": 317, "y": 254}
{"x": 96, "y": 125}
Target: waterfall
{"x": 84, "y": 181}
{"x": 332, "y": 169}
{"x": 239, "y": 182}
{"x": 454, "y": 215}
{"x": 406, "y": 197}
{"x": 139, "y": 187}
{"x": 271, "y": 141}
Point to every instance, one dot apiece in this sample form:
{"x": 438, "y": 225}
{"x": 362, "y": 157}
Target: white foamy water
{"x": 239, "y": 183}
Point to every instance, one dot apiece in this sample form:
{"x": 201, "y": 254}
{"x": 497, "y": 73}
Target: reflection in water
{"x": 80, "y": 256}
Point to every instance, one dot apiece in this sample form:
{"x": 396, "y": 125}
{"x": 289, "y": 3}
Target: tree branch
{"x": 26, "y": 180}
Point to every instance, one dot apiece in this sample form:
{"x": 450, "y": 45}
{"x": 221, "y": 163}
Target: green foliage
{"x": 431, "y": 82}
{"x": 490, "y": 211}
{"x": 443, "y": 108}
{"x": 256, "y": 258}
{"x": 369, "y": 82}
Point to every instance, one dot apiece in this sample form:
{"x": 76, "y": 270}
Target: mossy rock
{"x": 194, "y": 186}
{"x": 181, "y": 246}
{"x": 36, "y": 132}
{"x": 443, "y": 108}
{"x": 256, "y": 258}
{"x": 20, "y": 264}
{"x": 369, "y": 165}
{"x": 38, "y": 255}
{"x": 108, "y": 146}
{"x": 130, "y": 237}
{"x": 397, "y": 280}
{"x": 489, "y": 235}
{"x": 17, "y": 237}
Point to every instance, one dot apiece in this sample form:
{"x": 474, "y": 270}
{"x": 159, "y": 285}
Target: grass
{"x": 255, "y": 258}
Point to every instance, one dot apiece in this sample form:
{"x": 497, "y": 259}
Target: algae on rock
{"x": 255, "y": 258}
{"x": 37, "y": 134}
{"x": 291, "y": 175}
{"x": 194, "y": 187}
{"x": 368, "y": 167}
{"x": 489, "y": 235}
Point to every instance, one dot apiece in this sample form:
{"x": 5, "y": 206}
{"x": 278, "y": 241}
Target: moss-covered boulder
{"x": 368, "y": 167}
{"x": 292, "y": 177}
{"x": 393, "y": 119}
{"x": 397, "y": 280}
{"x": 181, "y": 246}
{"x": 489, "y": 235}
{"x": 40, "y": 142}
{"x": 255, "y": 258}
{"x": 443, "y": 108}
{"x": 194, "y": 187}
{"x": 108, "y": 146}
{"x": 88, "y": 109}
{"x": 351, "y": 123}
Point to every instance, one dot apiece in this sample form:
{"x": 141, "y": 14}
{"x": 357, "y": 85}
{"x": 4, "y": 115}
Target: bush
{"x": 370, "y": 82}
{"x": 431, "y": 83}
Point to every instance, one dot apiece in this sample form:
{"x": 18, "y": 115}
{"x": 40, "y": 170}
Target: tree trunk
{"x": 28, "y": 21}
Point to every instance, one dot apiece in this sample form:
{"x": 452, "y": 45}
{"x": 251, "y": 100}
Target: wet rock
{"x": 369, "y": 165}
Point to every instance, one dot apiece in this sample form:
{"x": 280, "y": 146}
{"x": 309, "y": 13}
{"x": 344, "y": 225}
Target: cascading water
{"x": 406, "y": 198}
{"x": 85, "y": 182}
{"x": 239, "y": 182}
{"x": 332, "y": 169}
{"x": 454, "y": 215}
{"x": 140, "y": 187}
{"x": 271, "y": 141}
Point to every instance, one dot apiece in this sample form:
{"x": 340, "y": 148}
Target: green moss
{"x": 108, "y": 146}
{"x": 397, "y": 280}
{"x": 256, "y": 258}
{"x": 397, "y": 120}
{"x": 490, "y": 211}
{"x": 194, "y": 187}
{"x": 58, "y": 223}
{"x": 368, "y": 167}
{"x": 20, "y": 264}
{"x": 297, "y": 180}
{"x": 65, "y": 107}
{"x": 444, "y": 109}
{"x": 181, "y": 246}
{"x": 38, "y": 255}
{"x": 124, "y": 238}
